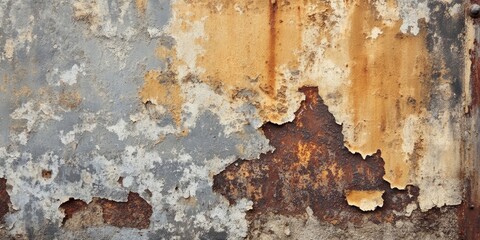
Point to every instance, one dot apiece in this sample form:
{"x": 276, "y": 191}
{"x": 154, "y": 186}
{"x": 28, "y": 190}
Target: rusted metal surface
{"x": 470, "y": 208}
{"x": 135, "y": 213}
{"x": 311, "y": 167}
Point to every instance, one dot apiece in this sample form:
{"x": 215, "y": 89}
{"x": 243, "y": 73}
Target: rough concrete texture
{"x": 116, "y": 116}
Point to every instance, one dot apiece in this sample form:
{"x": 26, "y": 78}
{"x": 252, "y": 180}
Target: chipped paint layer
{"x": 183, "y": 119}
{"x": 310, "y": 168}
{"x": 375, "y": 86}
{"x": 134, "y": 213}
{"x": 365, "y": 200}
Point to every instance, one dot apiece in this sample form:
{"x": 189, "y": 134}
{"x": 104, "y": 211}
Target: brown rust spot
{"x": 469, "y": 211}
{"x": 69, "y": 99}
{"x": 47, "y": 174}
{"x": 310, "y": 167}
{"x": 4, "y": 199}
{"x": 475, "y": 75}
{"x": 135, "y": 213}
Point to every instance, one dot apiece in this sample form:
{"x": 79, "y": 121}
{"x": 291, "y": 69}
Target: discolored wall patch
{"x": 134, "y": 213}
{"x": 324, "y": 177}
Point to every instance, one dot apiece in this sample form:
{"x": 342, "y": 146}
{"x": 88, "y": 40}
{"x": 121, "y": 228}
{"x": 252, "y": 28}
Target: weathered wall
{"x": 215, "y": 119}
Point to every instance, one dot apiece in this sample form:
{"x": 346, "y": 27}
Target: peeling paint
{"x": 365, "y": 200}
{"x": 183, "y": 119}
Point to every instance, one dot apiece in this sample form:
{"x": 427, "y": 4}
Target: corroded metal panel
{"x": 232, "y": 119}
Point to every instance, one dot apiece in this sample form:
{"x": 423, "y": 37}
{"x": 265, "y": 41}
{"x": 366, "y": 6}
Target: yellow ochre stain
{"x": 141, "y": 5}
{"x": 163, "y": 91}
{"x": 246, "y": 44}
{"x": 386, "y": 74}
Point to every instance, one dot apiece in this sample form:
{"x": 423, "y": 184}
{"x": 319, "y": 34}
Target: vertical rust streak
{"x": 475, "y": 77}
{"x": 470, "y": 211}
{"x": 272, "y": 61}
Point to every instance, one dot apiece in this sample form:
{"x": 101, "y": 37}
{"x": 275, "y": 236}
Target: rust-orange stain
{"x": 310, "y": 167}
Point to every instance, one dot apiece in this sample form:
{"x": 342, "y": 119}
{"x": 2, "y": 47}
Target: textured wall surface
{"x": 233, "y": 119}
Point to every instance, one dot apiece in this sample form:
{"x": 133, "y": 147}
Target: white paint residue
{"x": 389, "y": 15}
{"x": 35, "y": 114}
{"x": 375, "y": 33}
{"x": 455, "y": 10}
{"x": 410, "y": 13}
{"x": 186, "y": 35}
{"x": 439, "y": 172}
{"x": 120, "y": 129}
{"x": 233, "y": 216}
{"x": 8, "y": 49}
{"x": 202, "y": 98}
{"x": 88, "y": 125}
{"x": 410, "y": 134}
{"x": 23, "y": 37}
{"x": 142, "y": 125}
{"x": 70, "y": 76}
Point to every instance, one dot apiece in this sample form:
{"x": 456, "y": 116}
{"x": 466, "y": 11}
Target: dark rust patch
{"x": 135, "y": 213}
{"x": 475, "y": 75}
{"x": 310, "y": 167}
{"x": 72, "y": 206}
{"x": 4, "y": 199}
{"x": 469, "y": 212}
{"x": 47, "y": 174}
